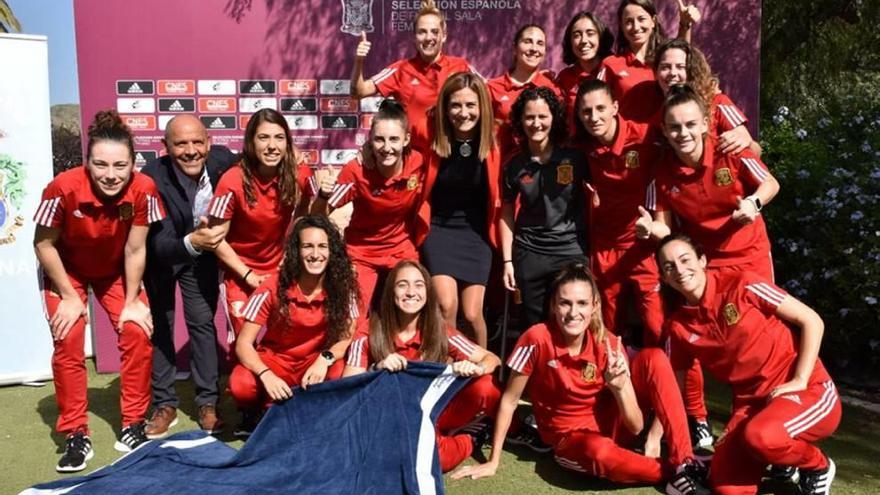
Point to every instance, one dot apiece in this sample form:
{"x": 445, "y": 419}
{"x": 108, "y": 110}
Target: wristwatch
{"x": 755, "y": 201}
{"x": 329, "y": 357}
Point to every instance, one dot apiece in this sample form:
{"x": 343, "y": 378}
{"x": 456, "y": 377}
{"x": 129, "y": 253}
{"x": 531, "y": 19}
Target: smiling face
{"x": 683, "y": 270}
{"x": 429, "y": 36}
{"x": 410, "y": 290}
{"x": 574, "y": 305}
{"x": 530, "y": 49}
{"x": 388, "y": 139}
{"x": 638, "y": 25}
{"x": 463, "y": 111}
{"x": 109, "y": 167}
{"x": 187, "y": 143}
{"x": 537, "y": 121}
{"x": 598, "y": 114}
{"x": 684, "y": 126}
{"x": 270, "y": 144}
{"x": 671, "y": 69}
{"x": 314, "y": 250}
{"x": 584, "y": 40}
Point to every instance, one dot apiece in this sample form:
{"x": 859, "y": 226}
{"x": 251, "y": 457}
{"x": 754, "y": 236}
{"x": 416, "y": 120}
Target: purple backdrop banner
{"x": 223, "y": 60}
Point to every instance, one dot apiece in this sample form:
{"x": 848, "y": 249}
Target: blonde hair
{"x": 430, "y": 8}
{"x": 443, "y": 131}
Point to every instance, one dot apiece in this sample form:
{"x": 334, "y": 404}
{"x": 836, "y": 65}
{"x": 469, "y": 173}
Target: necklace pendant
{"x": 465, "y": 149}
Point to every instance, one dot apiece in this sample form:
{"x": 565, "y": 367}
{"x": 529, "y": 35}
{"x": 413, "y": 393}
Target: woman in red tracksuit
{"x": 529, "y": 52}
{"x": 254, "y": 203}
{"x": 717, "y": 198}
{"x": 678, "y": 62}
{"x": 91, "y": 232}
{"x": 751, "y": 334}
{"x": 589, "y": 403}
{"x": 585, "y": 44}
{"x": 630, "y": 72}
{"x": 409, "y": 327}
{"x": 414, "y": 81}
{"x": 309, "y": 309}
{"x": 462, "y": 200}
{"x": 385, "y": 188}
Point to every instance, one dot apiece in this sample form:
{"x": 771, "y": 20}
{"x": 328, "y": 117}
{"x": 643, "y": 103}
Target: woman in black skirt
{"x": 462, "y": 200}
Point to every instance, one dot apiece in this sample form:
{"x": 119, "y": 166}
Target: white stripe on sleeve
{"x": 520, "y": 357}
{"x": 767, "y": 293}
{"x": 463, "y": 345}
{"x": 651, "y": 196}
{"x": 339, "y": 192}
{"x": 732, "y": 115}
{"x": 755, "y": 167}
{"x": 384, "y": 74}
{"x": 252, "y": 309}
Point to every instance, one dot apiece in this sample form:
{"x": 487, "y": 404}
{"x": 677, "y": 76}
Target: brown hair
{"x": 443, "y": 131}
{"x": 387, "y": 322}
{"x": 287, "y": 190}
{"x": 657, "y": 35}
{"x": 681, "y": 94}
{"x": 606, "y": 38}
{"x": 580, "y": 272}
{"x": 699, "y": 73}
{"x": 108, "y": 126}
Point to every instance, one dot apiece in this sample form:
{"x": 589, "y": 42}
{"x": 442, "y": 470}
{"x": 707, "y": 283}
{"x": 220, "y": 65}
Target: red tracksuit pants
{"x": 780, "y": 432}
{"x": 235, "y": 294}
{"x": 602, "y": 453}
{"x": 478, "y": 398}
{"x": 68, "y": 359}
{"x": 247, "y": 390}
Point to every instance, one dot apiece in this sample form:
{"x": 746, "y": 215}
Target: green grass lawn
{"x": 30, "y": 448}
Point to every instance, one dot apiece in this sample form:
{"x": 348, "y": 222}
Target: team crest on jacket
{"x": 723, "y": 177}
{"x": 632, "y": 159}
{"x": 126, "y": 211}
{"x": 12, "y": 193}
{"x": 731, "y": 314}
{"x": 565, "y": 173}
{"x": 412, "y": 183}
{"x": 589, "y": 373}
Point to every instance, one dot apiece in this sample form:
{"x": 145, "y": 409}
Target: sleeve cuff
{"x": 190, "y": 248}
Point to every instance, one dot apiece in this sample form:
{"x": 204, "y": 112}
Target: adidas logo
{"x": 793, "y": 397}
{"x": 257, "y": 88}
{"x": 135, "y": 89}
{"x": 77, "y": 213}
{"x": 338, "y": 123}
{"x": 693, "y": 338}
{"x": 505, "y": 98}
{"x": 552, "y": 364}
{"x": 297, "y": 105}
{"x": 217, "y": 124}
{"x": 414, "y": 82}
{"x": 138, "y": 157}
{"x": 176, "y": 107}
{"x": 675, "y": 190}
{"x": 624, "y": 73}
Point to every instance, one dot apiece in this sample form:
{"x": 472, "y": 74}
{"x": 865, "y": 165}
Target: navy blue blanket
{"x": 371, "y": 433}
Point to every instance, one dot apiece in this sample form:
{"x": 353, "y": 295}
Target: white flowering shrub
{"x": 825, "y": 222}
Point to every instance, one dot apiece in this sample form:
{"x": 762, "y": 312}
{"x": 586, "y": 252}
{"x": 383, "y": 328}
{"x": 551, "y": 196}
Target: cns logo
{"x": 12, "y": 175}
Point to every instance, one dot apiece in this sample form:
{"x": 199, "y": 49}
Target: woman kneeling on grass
{"x": 739, "y": 325}
{"x": 589, "y": 404}
{"x": 409, "y": 326}
{"x": 309, "y": 308}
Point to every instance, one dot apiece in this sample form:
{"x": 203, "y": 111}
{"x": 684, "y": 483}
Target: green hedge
{"x": 825, "y": 222}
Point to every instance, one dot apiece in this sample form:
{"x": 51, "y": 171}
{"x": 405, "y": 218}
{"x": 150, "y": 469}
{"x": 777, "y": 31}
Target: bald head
{"x": 187, "y": 143}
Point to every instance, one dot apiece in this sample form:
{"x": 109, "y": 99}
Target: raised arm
{"x": 361, "y": 87}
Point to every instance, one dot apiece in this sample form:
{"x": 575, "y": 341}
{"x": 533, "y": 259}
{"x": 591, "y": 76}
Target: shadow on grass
{"x": 103, "y": 402}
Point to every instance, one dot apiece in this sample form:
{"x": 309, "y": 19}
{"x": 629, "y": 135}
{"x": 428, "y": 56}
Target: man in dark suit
{"x": 180, "y": 250}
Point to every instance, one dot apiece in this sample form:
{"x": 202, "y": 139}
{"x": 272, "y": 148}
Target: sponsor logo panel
{"x": 218, "y": 122}
{"x": 336, "y": 105}
{"x": 339, "y": 122}
{"x": 366, "y": 120}
{"x": 337, "y": 157}
{"x": 310, "y": 156}
{"x": 302, "y": 122}
{"x": 140, "y": 122}
{"x": 297, "y": 105}
{"x": 217, "y": 105}
{"x": 143, "y": 156}
{"x": 335, "y": 86}
{"x": 298, "y": 87}
{"x": 174, "y": 87}
{"x": 371, "y": 103}
{"x": 139, "y": 87}
{"x": 251, "y": 105}
{"x": 177, "y": 105}
{"x": 220, "y": 87}
{"x": 256, "y": 87}
{"x": 135, "y": 105}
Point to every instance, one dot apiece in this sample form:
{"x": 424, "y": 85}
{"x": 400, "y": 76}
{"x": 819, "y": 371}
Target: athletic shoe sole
{"x": 76, "y": 469}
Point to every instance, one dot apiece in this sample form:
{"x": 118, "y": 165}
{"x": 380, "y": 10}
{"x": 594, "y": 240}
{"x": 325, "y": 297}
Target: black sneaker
{"x": 817, "y": 482}
{"x": 249, "y": 422}
{"x": 701, "y": 434}
{"x": 480, "y": 432}
{"x": 688, "y": 480}
{"x": 76, "y": 453}
{"x": 528, "y": 436}
{"x": 131, "y": 437}
{"x": 783, "y": 474}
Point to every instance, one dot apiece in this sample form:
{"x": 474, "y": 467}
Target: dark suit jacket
{"x": 165, "y": 248}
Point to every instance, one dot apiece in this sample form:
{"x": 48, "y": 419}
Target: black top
{"x": 460, "y": 191}
{"x": 552, "y": 201}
